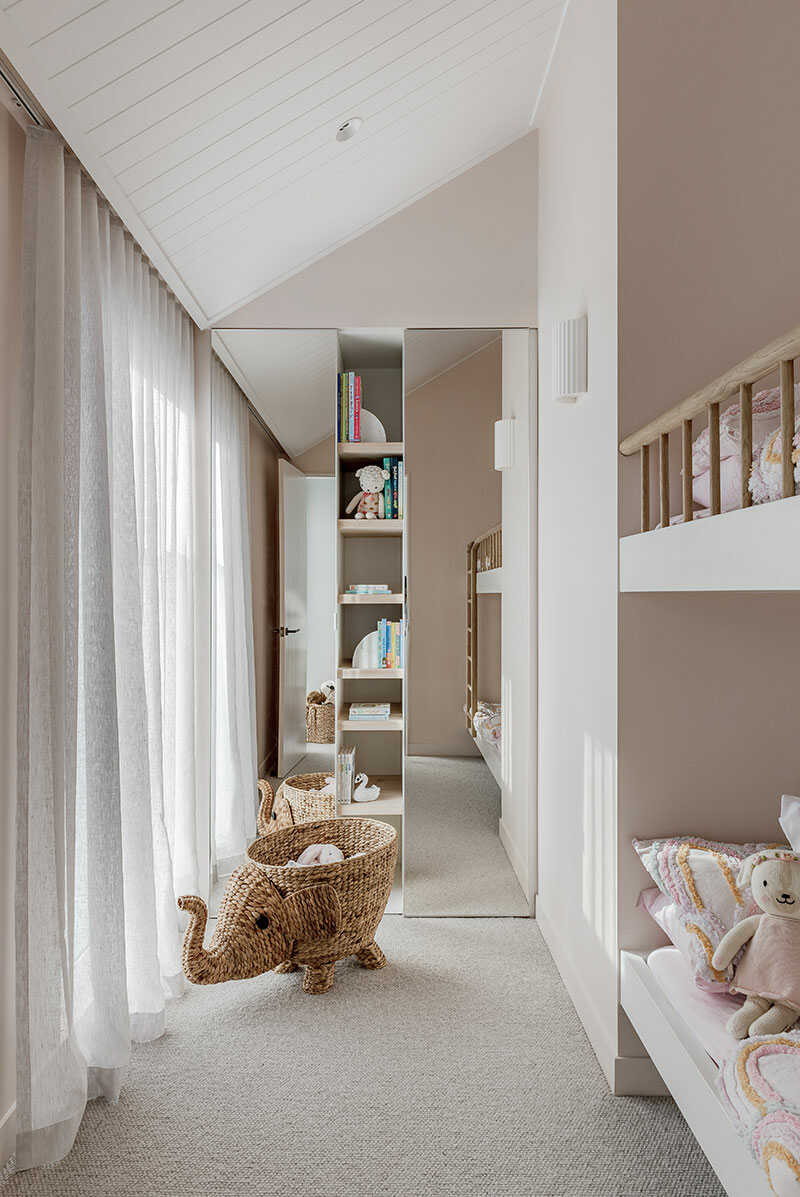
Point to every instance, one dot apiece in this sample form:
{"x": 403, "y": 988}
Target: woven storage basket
{"x": 320, "y": 723}
{"x": 298, "y": 801}
{"x": 362, "y": 883}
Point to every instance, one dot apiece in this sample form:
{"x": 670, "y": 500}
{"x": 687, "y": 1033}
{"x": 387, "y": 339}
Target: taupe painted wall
{"x": 709, "y": 263}
{"x": 463, "y": 255}
{"x": 12, "y": 151}
{"x": 454, "y": 495}
{"x": 319, "y": 460}
{"x": 263, "y": 483}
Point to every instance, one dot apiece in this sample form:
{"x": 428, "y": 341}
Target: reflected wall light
{"x": 504, "y": 444}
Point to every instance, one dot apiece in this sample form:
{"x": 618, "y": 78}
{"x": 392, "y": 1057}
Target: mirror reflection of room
{"x": 462, "y": 838}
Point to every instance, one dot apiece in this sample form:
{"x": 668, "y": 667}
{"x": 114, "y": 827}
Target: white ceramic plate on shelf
{"x": 365, "y": 654}
{"x": 370, "y": 427}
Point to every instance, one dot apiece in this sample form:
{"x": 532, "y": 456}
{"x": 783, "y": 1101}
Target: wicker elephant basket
{"x": 275, "y": 915}
{"x": 298, "y": 801}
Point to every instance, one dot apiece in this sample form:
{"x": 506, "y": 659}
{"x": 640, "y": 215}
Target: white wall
{"x": 577, "y": 253}
{"x": 517, "y": 654}
{"x": 321, "y": 597}
{"x": 465, "y": 255}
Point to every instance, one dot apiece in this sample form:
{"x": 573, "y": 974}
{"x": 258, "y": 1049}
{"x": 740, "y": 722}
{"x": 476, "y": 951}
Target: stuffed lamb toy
{"x": 369, "y": 502}
{"x": 769, "y": 972}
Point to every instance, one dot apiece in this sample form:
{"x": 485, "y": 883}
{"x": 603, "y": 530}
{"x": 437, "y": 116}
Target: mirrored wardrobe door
{"x": 459, "y": 859}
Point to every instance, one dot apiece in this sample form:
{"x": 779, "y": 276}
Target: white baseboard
{"x": 637, "y": 1076}
{"x": 598, "y": 1035}
{"x": 7, "y": 1137}
{"x": 517, "y": 861}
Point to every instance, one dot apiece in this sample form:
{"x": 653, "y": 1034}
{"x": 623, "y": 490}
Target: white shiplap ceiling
{"x": 289, "y": 376}
{"x": 210, "y": 124}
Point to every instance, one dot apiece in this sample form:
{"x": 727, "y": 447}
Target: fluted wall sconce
{"x": 569, "y": 359}
{"x": 504, "y": 444}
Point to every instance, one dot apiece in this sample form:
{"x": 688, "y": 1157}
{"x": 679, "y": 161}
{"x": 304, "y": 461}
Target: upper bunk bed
{"x": 484, "y": 576}
{"x": 739, "y": 523}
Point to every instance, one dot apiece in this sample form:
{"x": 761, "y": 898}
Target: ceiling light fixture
{"x": 349, "y": 128}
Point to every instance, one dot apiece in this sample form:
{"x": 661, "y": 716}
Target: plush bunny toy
{"x": 769, "y": 972}
{"x": 369, "y": 502}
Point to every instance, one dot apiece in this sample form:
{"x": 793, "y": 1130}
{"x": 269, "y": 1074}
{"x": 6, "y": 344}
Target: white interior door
{"x": 292, "y": 589}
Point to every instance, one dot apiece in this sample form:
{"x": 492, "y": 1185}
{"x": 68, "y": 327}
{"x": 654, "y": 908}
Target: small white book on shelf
{"x": 345, "y": 772}
{"x": 369, "y": 710}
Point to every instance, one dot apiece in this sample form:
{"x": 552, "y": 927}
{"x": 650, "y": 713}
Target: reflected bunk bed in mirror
{"x": 484, "y": 576}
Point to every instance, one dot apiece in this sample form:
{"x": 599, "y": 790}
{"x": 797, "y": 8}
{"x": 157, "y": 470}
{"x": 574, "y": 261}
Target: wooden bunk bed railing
{"x": 779, "y": 355}
{"x": 483, "y": 553}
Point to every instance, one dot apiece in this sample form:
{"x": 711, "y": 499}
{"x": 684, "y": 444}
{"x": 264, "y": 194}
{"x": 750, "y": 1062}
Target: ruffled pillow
{"x": 699, "y": 877}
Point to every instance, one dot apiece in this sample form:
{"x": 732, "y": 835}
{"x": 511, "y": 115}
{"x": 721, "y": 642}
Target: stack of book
{"x": 369, "y": 588}
{"x": 390, "y": 644}
{"x": 349, "y": 407}
{"x": 393, "y": 499}
{"x": 372, "y": 711}
{"x": 345, "y": 772}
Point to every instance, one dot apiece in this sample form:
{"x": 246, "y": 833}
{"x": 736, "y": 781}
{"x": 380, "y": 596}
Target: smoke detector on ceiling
{"x": 349, "y": 128}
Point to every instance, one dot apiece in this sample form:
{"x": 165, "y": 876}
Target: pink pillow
{"x": 703, "y": 901}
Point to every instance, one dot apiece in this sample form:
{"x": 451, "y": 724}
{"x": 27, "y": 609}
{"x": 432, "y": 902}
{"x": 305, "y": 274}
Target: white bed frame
{"x": 690, "y": 1075}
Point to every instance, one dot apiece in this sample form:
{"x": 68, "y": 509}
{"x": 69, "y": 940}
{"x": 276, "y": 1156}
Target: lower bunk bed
{"x": 484, "y": 576}
{"x": 730, "y": 1092}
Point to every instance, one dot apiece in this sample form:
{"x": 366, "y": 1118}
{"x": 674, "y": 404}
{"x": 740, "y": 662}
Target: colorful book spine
{"x": 343, "y": 405}
{"x": 394, "y": 489}
{"x": 387, "y": 489}
{"x": 351, "y": 408}
{"x": 400, "y": 490}
{"x": 357, "y": 419}
{"x": 339, "y": 407}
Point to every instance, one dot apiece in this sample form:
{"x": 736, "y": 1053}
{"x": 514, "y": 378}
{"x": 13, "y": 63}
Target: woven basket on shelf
{"x": 298, "y": 801}
{"x": 363, "y": 882}
{"x": 320, "y": 722}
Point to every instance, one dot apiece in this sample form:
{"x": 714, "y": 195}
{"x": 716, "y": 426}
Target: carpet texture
{"x": 455, "y": 863}
{"x": 460, "y": 1069}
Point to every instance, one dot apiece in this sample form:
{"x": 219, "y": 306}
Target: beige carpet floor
{"x": 461, "y": 1069}
{"x": 454, "y": 861}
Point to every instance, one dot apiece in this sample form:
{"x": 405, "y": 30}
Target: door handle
{"x": 286, "y": 631}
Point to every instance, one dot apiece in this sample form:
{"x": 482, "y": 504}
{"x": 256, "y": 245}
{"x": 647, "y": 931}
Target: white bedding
{"x": 705, "y": 1013}
{"x": 488, "y": 725}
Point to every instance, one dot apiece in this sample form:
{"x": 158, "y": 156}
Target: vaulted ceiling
{"x": 211, "y": 124}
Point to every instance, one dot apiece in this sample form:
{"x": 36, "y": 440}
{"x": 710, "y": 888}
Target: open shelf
{"x": 346, "y": 670}
{"x": 393, "y": 724}
{"x": 389, "y": 803}
{"x": 352, "y": 527}
{"x": 368, "y": 450}
{"x": 364, "y": 600}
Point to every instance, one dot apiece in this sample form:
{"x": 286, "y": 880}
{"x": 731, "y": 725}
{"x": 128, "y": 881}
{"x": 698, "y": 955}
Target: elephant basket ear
{"x": 313, "y": 912}
{"x": 265, "y": 812}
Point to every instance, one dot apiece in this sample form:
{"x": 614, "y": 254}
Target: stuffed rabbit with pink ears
{"x": 769, "y": 972}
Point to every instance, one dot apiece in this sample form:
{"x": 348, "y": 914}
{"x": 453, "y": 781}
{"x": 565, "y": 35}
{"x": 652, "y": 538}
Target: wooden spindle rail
{"x": 746, "y": 436}
{"x": 780, "y": 355}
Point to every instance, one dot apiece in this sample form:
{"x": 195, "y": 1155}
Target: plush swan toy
{"x": 363, "y": 792}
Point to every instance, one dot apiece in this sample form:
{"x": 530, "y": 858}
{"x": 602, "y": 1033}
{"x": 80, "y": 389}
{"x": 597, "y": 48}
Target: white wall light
{"x": 569, "y": 359}
{"x": 504, "y": 444}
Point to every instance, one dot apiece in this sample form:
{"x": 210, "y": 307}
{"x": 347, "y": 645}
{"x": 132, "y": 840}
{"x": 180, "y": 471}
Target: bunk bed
{"x": 484, "y": 576}
{"x": 721, "y": 539}
{"x": 732, "y": 533}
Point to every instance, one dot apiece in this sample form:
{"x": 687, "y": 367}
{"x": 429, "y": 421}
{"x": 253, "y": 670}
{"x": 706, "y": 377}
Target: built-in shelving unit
{"x": 346, "y": 670}
{"x": 371, "y": 552}
{"x": 353, "y": 527}
{"x": 369, "y": 600}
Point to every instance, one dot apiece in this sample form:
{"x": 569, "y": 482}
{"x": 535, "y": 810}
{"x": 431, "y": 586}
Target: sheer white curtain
{"x": 106, "y": 802}
{"x": 235, "y": 765}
